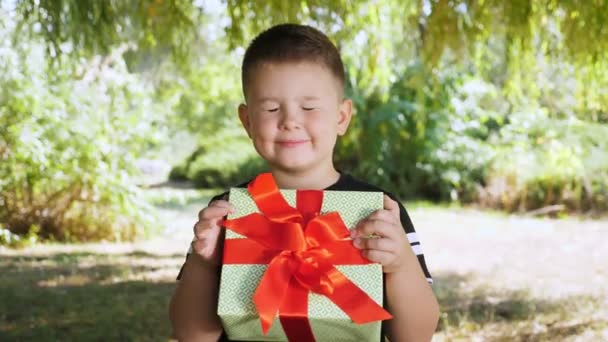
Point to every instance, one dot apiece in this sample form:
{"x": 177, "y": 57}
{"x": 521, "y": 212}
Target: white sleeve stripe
{"x": 417, "y": 249}
{"x": 430, "y": 280}
{"x": 412, "y": 237}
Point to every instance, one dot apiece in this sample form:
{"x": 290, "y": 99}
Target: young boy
{"x": 293, "y": 83}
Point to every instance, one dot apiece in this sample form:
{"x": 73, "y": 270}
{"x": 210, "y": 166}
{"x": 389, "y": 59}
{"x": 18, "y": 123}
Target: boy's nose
{"x": 289, "y": 119}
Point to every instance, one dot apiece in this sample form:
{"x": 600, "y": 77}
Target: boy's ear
{"x": 244, "y": 117}
{"x": 346, "y": 113}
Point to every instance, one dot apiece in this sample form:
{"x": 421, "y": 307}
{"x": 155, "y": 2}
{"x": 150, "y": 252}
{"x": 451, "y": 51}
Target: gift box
{"x": 275, "y": 287}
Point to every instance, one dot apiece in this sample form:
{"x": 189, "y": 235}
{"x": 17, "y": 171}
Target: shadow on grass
{"x": 479, "y": 306}
{"x": 93, "y": 297}
{"x": 134, "y": 310}
{"x": 77, "y": 256}
{"x": 459, "y": 302}
{"x": 56, "y": 298}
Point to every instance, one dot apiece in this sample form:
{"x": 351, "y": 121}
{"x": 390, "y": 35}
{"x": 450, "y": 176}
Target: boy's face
{"x": 294, "y": 114}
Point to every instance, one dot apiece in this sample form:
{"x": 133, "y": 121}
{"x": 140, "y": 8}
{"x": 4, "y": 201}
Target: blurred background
{"x": 488, "y": 118}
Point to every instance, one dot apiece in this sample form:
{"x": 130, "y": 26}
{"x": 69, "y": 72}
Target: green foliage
{"x": 550, "y": 162}
{"x": 204, "y": 94}
{"x": 457, "y": 138}
{"x": 68, "y": 144}
{"x": 375, "y": 36}
{"x": 225, "y": 160}
{"x": 412, "y": 142}
{"x": 86, "y": 28}
{"x": 10, "y": 239}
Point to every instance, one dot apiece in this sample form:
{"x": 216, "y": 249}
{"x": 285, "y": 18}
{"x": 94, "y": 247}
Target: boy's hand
{"x": 207, "y": 231}
{"x": 388, "y": 244}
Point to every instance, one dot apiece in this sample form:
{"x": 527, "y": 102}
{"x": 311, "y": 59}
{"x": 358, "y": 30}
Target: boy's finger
{"x": 374, "y": 227}
{"x": 391, "y": 205}
{"x": 221, "y": 203}
{"x": 204, "y": 247}
{"x": 379, "y": 244}
{"x": 201, "y": 228}
{"x": 209, "y": 235}
{"x": 380, "y": 257}
{"x": 383, "y": 215}
{"x": 199, "y": 245}
{"x": 213, "y": 212}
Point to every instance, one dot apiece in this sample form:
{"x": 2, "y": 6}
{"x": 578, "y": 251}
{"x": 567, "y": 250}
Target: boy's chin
{"x": 291, "y": 167}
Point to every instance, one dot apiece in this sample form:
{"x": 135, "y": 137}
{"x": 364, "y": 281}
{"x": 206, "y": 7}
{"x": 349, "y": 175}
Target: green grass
{"x": 85, "y": 297}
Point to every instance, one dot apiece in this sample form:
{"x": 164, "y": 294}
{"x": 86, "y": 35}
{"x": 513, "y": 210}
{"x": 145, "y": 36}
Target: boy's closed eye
{"x": 276, "y": 109}
{"x": 309, "y": 106}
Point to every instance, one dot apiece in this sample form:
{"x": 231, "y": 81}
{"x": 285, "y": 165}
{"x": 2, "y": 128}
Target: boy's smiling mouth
{"x": 292, "y": 142}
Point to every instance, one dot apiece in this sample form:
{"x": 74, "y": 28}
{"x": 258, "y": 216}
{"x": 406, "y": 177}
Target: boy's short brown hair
{"x": 292, "y": 43}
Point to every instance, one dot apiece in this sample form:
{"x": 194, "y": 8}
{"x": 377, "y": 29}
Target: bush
{"x": 68, "y": 142}
{"x": 455, "y": 137}
{"x": 10, "y": 239}
{"x": 417, "y": 142}
{"x": 224, "y": 161}
{"x": 551, "y": 162}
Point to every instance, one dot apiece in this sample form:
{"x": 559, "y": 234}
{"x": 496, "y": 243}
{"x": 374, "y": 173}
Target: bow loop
{"x": 325, "y": 229}
{"x": 268, "y": 198}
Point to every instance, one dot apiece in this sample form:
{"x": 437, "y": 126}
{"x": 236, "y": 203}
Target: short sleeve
{"x": 412, "y": 236}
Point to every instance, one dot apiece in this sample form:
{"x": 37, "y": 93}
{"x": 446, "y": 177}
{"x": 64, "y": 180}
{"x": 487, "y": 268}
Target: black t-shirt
{"x": 347, "y": 182}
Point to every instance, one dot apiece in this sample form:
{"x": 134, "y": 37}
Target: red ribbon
{"x": 300, "y": 247}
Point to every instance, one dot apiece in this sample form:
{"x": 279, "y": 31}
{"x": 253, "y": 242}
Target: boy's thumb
{"x": 391, "y": 205}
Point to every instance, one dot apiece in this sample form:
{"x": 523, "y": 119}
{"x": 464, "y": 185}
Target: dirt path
{"x": 516, "y": 278}
{"x": 553, "y": 258}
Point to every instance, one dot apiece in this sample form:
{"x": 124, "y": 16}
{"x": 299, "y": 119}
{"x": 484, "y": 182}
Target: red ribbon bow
{"x": 300, "y": 247}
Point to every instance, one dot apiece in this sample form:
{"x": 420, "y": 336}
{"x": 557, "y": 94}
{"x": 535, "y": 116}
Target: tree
{"x": 376, "y": 35}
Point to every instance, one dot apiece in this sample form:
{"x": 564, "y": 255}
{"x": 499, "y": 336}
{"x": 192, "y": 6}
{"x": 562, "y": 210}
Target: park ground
{"x": 497, "y": 277}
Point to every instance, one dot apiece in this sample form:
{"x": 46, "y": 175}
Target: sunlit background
{"x": 488, "y": 118}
